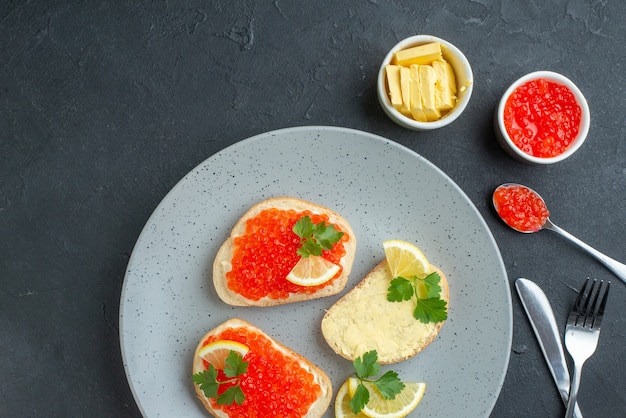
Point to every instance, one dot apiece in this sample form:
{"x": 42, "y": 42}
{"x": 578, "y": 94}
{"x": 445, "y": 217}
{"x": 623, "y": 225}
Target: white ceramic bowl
{"x": 504, "y": 138}
{"x": 464, "y": 81}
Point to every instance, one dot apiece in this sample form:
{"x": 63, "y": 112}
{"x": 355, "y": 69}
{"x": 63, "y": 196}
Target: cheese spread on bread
{"x": 364, "y": 320}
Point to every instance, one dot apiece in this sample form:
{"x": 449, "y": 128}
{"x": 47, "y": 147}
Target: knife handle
{"x": 543, "y": 322}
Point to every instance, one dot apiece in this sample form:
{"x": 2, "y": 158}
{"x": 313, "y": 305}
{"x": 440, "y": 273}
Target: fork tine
{"x": 573, "y": 314}
{"x": 579, "y": 300}
{"x": 586, "y": 309}
{"x": 579, "y": 307}
{"x": 597, "y": 320}
{"x": 590, "y": 314}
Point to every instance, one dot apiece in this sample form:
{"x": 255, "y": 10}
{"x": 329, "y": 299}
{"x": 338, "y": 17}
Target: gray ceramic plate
{"x": 386, "y": 191}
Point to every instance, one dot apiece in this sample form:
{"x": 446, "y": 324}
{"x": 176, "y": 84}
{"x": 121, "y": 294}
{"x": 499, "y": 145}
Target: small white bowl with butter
{"x": 424, "y": 83}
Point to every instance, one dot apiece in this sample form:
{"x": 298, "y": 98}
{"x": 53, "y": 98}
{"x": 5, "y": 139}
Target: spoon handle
{"x": 615, "y": 266}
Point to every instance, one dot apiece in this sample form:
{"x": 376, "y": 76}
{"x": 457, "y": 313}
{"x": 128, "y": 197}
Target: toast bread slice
{"x": 363, "y": 320}
{"x": 222, "y": 264}
{"x": 317, "y": 409}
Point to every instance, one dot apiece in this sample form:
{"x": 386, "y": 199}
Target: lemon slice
{"x": 342, "y": 404}
{"x": 405, "y": 259}
{"x": 215, "y": 353}
{"x": 312, "y": 271}
{"x": 398, "y": 407}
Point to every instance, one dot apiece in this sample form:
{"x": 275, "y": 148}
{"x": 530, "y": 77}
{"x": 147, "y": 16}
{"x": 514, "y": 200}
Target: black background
{"x": 105, "y": 105}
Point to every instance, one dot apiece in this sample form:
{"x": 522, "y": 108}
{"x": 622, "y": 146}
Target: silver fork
{"x": 583, "y": 331}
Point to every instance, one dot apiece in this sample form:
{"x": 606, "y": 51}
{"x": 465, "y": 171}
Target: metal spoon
{"x": 616, "y": 267}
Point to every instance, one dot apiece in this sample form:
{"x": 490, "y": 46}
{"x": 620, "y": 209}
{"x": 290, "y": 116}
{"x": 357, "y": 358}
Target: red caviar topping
{"x": 274, "y": 385}
{"x": 266, "y": 253}
{"x": 520, "y": 208}
{"x": 542, "y": 118}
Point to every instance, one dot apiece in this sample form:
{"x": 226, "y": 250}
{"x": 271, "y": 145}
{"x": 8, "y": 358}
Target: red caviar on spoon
{"x": 522, "y": 209}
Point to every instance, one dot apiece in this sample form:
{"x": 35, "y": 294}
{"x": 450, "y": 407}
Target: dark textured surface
{"x": 104, "y": 106}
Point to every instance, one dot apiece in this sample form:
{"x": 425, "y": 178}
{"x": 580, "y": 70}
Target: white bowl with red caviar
{"x": 542, "y": 118}
{"x": 463, "y": 77}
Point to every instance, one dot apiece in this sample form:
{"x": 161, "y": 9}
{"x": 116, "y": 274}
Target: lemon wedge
{"x": 215, "y": 353}
{"x": 312, "y": 271}
{"x": 398, "y": 407}
{"x": 342, "y": 403}
{"x": 405, "y": 259}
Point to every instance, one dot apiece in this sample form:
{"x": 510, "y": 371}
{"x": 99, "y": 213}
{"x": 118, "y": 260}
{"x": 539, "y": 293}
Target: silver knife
{"x": 542, "y": 319}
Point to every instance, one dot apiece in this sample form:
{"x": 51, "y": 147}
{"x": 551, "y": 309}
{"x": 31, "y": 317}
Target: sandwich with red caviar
{"x": 284, "y": 250}
{"x": 239, "y": 371}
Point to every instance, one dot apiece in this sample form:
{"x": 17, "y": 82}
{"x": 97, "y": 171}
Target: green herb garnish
{"x": 314, "y": 238}
{"x": 388, "y": 384}
{"x": 233, "y": 369}
{"x": 429, "y": 307}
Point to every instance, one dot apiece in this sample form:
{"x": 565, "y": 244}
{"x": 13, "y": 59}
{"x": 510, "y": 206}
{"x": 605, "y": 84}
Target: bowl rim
{"x": 406, "y": 121}
{"x": 584, "y": 120}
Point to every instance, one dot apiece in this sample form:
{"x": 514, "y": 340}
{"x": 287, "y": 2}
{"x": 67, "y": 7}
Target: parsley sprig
{"x": 388, "y": 384}
{"x": 233, "y": 369}
{"x": 429, "y": 307}
{"x": 314, "y": 238}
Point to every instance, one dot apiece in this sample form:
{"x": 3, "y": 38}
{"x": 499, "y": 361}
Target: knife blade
{"x": 543, "y": 322}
